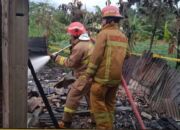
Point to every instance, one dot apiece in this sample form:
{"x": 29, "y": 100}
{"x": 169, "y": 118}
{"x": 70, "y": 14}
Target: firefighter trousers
{"x": 103, "y": 100}
{"x": 77, "y": 90}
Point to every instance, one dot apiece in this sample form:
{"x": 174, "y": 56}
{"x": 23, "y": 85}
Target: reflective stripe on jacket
{"x": 108, "y": 55}
{"x": 79, "y": 58}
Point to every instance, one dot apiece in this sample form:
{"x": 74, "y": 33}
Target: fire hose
{"x": 41, "y": 91}
{"x": 131, "y": 101}
{"x": 68, "y": 46}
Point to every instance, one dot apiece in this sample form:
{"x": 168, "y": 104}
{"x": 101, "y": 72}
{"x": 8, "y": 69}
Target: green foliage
{"x": 47, "y": 21}
{"x": 34, "y": 29}
{"x": 50, "y": 22}
{"x": 167, "y": 33}
{"x": 62, "y": 17}
{"x": 159, "y": 48}
{"x": 150, "y": 17}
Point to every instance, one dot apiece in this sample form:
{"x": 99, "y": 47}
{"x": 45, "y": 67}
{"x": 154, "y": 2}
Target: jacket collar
{"x": 110, "y": 26}
{"x": 75, "y": 42}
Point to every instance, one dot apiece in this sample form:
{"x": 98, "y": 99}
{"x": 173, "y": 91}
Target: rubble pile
{"x": 55, "y": 85}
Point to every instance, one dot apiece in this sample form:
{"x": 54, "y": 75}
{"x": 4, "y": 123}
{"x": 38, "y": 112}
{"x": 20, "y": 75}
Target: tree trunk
{"x": 153, "y": 35}
{"x": 155, "y": 27}
{"x": 178, "y": 51}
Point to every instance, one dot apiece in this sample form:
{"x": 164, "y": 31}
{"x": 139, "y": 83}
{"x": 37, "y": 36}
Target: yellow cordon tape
{"x": 160, "y": 56}
{"x": 137, "y": 54}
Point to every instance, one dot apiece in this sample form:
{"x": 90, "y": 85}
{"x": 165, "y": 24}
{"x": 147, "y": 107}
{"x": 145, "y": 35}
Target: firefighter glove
{"x": 53, "y": 56}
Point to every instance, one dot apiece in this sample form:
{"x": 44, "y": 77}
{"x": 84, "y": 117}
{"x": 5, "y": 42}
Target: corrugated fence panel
{"x": 152, "y": 77}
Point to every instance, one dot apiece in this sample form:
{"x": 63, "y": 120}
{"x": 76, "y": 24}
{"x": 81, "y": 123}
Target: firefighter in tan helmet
{"x": 81, "y": 50}
{"x": 105, "y": 68}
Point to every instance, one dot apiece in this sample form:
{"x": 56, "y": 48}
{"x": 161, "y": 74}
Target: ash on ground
{"x": 55, "y": 81}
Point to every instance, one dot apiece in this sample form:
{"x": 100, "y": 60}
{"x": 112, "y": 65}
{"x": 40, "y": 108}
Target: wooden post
{"x": 178, "y": 38}
{"x": 14, "y": 62}
{"x": 1, "y": 66}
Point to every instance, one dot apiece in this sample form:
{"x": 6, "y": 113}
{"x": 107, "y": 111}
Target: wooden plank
{"x": 1, "y": 66}
{"x": 15, "y": 31}
{"x": 5, "y": 64}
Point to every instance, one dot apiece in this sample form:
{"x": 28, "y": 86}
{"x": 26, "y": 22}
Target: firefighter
{"x": 81, "y": 50}
{"x": 105, "y": 68}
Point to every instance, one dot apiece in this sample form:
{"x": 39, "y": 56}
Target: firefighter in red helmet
{"x": 81, "y": 50}
{"x": 105, "y": 68}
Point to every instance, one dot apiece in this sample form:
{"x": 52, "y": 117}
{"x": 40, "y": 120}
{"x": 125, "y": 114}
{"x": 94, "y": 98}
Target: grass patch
{"x": 158, "y": 48}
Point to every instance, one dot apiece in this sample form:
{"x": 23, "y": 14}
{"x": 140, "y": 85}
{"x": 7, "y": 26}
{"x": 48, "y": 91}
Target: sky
{"x": 88, "y": 3}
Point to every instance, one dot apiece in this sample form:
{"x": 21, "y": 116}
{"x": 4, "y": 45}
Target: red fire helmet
{"x": 111, "y": 11}
{"x": 76, "y": 29}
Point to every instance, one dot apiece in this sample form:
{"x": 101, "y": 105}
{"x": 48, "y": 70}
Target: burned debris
{"x": 155, "y": 88}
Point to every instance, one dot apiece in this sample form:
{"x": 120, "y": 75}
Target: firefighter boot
{"x": 64, "y": 125}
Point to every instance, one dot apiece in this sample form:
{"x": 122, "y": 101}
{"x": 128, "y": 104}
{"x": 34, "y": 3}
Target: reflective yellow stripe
{"x": 90, "y": 71}
{"x": 61, "y": 60}
{"x": 108, "y": 62}
{"x": 111, "y": 115}
{"x": 108, "y": 55}
{"x": 82, "y": 77}
{"x": 107, "y": 81}
{"x": 90, "y": 49}
{"x": 102, "y": 117}
{"x": 120, "y": 44}
{"x": 93, "y": 66}
{"x": 66, "y": 109}
{"x": 85, "y": 62}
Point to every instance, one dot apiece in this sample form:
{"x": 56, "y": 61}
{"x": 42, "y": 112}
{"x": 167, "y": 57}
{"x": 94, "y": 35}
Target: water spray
{"x": 39, "y": 62}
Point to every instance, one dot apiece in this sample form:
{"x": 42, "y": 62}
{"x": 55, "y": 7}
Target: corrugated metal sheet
{"x": 128, "y": 67}
{"x": 148, "y": 70}
{"x": 153, "y": 78}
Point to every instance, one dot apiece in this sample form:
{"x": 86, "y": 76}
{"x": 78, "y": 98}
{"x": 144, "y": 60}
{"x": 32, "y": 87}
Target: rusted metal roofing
{"x": 153, "y": 78}
{"x": 128, "y": 67}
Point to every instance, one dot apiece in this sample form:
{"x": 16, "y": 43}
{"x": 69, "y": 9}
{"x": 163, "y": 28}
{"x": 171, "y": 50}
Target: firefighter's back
{"x": 110, "y": 69}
